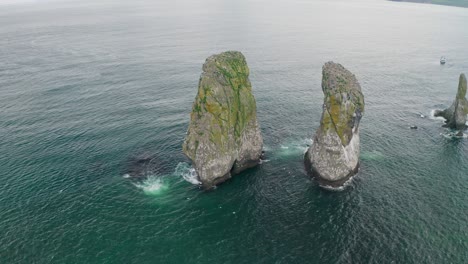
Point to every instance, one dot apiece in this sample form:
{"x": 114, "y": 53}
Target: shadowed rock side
{"x": 334, "y": 154}
{"x": 223, "y": 137}
{"x": 455, "y": 115}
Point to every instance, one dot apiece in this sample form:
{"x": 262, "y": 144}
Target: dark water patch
{"x": 144, "y": 164}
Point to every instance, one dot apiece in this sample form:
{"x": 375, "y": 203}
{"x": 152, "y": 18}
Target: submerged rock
{"x": 223, "y": 137}
{"x": 334, "y": 154}
{"x": 455, "y": 115}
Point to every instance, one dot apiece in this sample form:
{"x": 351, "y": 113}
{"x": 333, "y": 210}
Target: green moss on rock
{"x": 334, "y": 154}
{"x": 461, "y": 93}
{"x": 224, "y": 110}
{"x": 343, "y": 101}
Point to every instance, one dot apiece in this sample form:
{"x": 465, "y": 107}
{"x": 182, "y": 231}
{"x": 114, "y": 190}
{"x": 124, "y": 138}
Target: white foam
{"x": 452, "y": 135}
{"x": 308, "y": 143}
{"x": 158, "y": 184}
{"x": 126, "y": 176}
{"x": 191, "y": 177}
{"x": 152, "y": 185}
{"x": 431, "y": 116}
{"x": 188, "y": 173}
{"x": 296, "y": 148}
{"x": 339, "y": 188}
{"x": 263, "y": 161}
{"x": 331, "y": 188}
{"x": 266, "y": 148}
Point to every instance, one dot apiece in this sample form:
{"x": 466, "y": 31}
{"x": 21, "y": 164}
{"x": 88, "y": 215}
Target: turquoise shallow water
{"x": 88, "y": 87}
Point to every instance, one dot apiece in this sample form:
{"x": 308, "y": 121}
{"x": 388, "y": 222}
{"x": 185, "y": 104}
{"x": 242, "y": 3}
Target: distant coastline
{"x": 459, "y": 3}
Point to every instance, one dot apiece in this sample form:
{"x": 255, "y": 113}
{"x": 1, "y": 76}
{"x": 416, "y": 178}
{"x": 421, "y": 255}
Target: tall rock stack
{"x": 455, "y": 115}
{"x": 223, "y": 137}
{"x": 334, "y": 155}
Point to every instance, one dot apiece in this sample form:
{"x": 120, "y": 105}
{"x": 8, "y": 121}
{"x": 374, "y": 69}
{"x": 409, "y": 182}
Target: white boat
{"x": 442, "y": 60}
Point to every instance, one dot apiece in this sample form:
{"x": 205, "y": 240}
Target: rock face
{"x": 334, "y": 154}
{"x": 223, "y": 137}
{"x": 455, "y": 115}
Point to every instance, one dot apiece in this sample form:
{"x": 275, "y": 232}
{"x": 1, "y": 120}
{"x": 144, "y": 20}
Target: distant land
{"x": 460, "y": 3}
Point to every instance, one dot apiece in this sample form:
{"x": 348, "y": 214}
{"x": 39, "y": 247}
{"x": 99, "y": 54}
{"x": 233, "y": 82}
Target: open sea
{"x": 92, "y": 92}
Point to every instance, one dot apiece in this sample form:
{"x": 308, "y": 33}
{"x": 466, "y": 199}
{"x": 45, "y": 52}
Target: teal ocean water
{"x": 92, "y": 91}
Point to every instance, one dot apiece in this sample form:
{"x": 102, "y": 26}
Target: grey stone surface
{"x": 334, "y": 154}
{"x": 455, "y": 115}
{"x": 223, "y": 137}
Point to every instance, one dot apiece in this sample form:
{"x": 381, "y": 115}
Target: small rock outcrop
{"x": 334, "y": 154}
{"x": 455, "y": 115}
{"x": 223, "y": 137}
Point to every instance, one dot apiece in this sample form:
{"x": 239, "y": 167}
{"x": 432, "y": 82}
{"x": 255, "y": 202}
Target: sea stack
{"x": 223, "y": 136}
{"x": 455, "y": 115}
{"x": 334, "y": 155}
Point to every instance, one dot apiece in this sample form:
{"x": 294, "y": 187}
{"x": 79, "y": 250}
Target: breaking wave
{"x": 453, "y": 135}
{"x": 188, "y": 173}
{"x": 339, "y": 188}
{"x": 431, "y": 116}
{"x": 158, "y": 184}
{"x": 295, "y": 148}
{"x": 153, "y": 185}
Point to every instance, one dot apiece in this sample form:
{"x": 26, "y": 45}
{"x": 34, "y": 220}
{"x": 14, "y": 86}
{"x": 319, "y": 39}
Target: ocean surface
{"x": 92, "y": 92}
